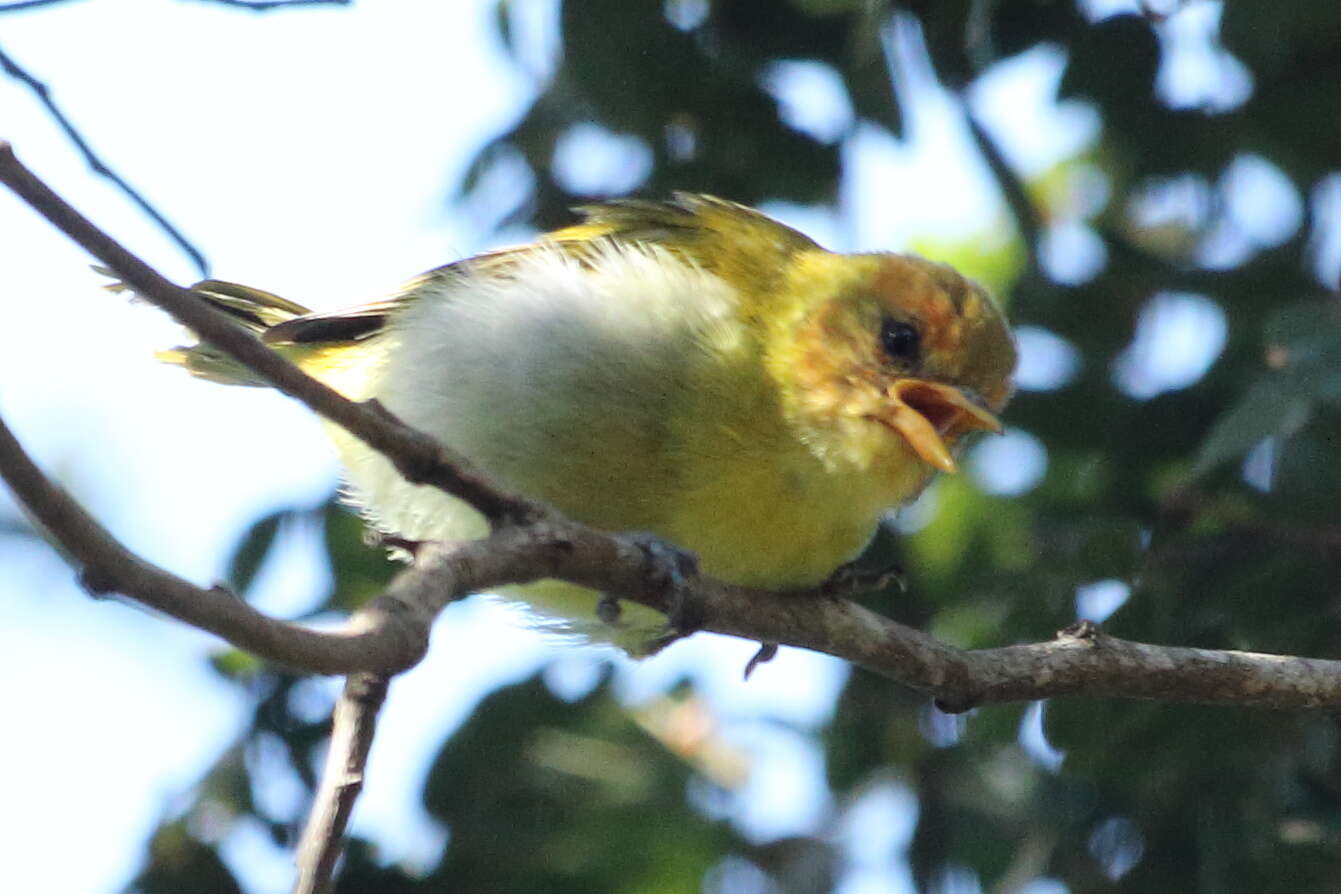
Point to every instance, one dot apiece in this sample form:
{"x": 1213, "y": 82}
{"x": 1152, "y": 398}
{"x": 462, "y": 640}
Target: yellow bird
{"x": 689, "y": 368}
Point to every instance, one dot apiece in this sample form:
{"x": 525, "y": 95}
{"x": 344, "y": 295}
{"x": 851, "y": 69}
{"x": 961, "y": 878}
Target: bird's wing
{"x": 737, "y": 243}
{"x": 743, "y": 246}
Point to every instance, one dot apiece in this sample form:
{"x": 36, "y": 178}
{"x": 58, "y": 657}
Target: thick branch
{"x": 1080, "y": 661}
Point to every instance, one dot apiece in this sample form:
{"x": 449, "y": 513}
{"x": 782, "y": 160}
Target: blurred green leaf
{"x": 252, "y": 550}
{"x": 236, "y": 664}
{"x": 1304, "y": 347}
{"x": 1114, "y": 64}
{"x": 359, "y": 571}
{"x": 181, "y": 863}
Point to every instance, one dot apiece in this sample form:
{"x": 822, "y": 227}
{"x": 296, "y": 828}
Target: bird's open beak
{"x": 931, "y": 416}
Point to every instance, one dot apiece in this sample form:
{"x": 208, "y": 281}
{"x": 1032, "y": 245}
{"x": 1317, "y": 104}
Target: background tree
{"x": 1198, "y": 510}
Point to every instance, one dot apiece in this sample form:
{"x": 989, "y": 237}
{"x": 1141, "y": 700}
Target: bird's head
{"x": 886, "y": 361}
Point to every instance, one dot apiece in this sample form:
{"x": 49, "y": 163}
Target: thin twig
{"x": 43, "y": 93}
{"x": 271, "y": 5}
{"x": 19, "y": 5}
{"x": 352, "y": 730}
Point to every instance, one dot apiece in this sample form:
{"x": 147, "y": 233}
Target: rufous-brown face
{"x": 902, "y": 343}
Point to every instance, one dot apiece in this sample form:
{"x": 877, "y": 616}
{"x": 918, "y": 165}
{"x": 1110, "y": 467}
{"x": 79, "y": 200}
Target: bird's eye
{"x": 900, "y": 340}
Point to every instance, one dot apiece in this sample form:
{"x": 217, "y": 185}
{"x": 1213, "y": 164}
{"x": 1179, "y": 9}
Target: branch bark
{"x": 354, "y": 724}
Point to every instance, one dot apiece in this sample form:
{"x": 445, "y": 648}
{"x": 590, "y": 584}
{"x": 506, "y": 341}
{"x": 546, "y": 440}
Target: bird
{"x": 690, "y": 368}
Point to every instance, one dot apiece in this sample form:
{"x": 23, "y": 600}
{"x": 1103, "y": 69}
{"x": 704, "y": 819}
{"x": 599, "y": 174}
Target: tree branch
{"x": 271, "y": 5}
{"x": 43, "y": 93}
{"x": 18, "y": 5}
{"x": 352, "y": 731}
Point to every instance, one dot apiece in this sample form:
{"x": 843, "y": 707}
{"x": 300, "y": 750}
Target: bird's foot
{"x": 763, "y": 656}
{"x": 398, "y": 547}
{"x": 847, "y": 580}
{"x": 608, "y": 611}
{"x": 673, "y": 569}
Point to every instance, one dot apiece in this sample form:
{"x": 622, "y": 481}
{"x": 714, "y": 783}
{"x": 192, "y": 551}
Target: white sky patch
{"x": 819, "y": 223}
{"x": 1016, "y": 100}
{"x": 252, "y": 855}
{"x": 1195, "y": 70}
{"x": 1117, "y": 843}
{"x": 895, "y": 191}
{"x": 590, "y": 160}
{"x": 918, "y": 514}
{"x": 941, "y": 728}
{"x": 875, "y": 831}
{"x": 1261, "y": 200}
{"x": 811, "y": 98}
{"x": 1178, "y": 336}
{"x": 1044, "y": 886}
{"x": 874, "y": 881}
{"x": 1259, "y": 466}
{"x": 686, "y": 14}
{"x": 574, "y": 673}
{"x": 1098, "y": 600}
{"x": 1034, "y": 739}
{"x": 733, "y": 874}
{"x": 1047, "y": 361}
{"x": 1072, "y": 253}
{"x": 481, "y": 646}
{"x": 295, "y": 575}
{"x": 1094, "y": 10}
{"x": 119, "y": 722}
{"x": 798, "y": 687}
{"x": 1009, "y": 465}
{"x": 1326, "y": 242}
{"x": 537, "y": 42}
{"x": 786, "y": 792}
{"x": 1183, "y": 201}
{"x": 932, "y": 182}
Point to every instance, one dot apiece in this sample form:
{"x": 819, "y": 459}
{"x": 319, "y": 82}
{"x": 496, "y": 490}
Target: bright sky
{"x": 310, "y": 152}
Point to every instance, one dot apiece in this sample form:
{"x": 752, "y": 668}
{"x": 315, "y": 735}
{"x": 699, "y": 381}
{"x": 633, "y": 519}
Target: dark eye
{"x": 900, "y": 340}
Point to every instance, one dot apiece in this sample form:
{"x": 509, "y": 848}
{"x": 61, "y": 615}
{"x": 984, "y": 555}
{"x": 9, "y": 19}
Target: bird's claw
{"x": 608, "y": 610}
{"x": 764, "y": 655}
{"x": 847, "y": 580}
{"x": 673, "y": 569}
{"x": 397, "y": 547}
